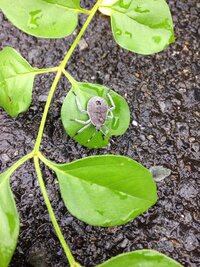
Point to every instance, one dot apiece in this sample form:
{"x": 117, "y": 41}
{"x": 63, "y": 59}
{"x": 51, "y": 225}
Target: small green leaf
{"x": 90, "y": 137}
{"x": 105, "y": 190}
{"x": 141, "y": 258}
{"x": 43, "y": 18}
{"x": 16, "y": 82}
{"x": 141, "y": 26}
{"x": 9, "y": 221}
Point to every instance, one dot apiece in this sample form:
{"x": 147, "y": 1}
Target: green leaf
{"x": 84, "y": 91}
{"x": 9, "y": 221}
{"x": 43, "y": 18}
{"x": 141, "y": 258}
{"x": 142, "y": 26}
{"x": 105, "y": 190}
{"x": 16, "y": 82}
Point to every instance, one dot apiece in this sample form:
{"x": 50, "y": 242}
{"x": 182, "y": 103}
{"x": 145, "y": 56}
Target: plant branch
{"x": 41, "y": 71}
{"x": 58, "y": 75}
{"x": 46, "y": 109}
{"x": 19, "y": 163}
{"x": 75, "y": 43}
{"x": 51, "y": 214}
{"x": 69, "y": 77}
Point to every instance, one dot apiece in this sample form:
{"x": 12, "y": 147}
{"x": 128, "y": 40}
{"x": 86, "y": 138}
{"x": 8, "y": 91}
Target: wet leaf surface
{"x": 9, "y": 221}
{"x": 105, "y": 190}
{"x": 16, "y": 82}
{"x": 141, "y": 258}
{"x": 48, "y": 19}
{"x": 144, "y": 27}
{"x": 90, "y": 137}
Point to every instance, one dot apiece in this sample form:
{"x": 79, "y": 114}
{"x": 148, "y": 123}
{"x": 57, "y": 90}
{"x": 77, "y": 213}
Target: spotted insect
{"x": 98, "y": 112}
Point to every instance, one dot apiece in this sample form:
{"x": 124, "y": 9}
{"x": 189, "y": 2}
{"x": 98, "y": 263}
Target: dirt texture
{"x": 164, "y": 98}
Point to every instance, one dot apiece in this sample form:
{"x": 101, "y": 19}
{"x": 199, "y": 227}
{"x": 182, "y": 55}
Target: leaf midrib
{"x": 72, "y": 176}
{"x": 117, "y": 191}
{"x": 64, "y": 7}
{"x": 125, "y": 14}
{"x": 20, "y": 74}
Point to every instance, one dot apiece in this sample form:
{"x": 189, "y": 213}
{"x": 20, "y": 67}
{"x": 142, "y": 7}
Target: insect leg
{"x": 111, "y": 101}
{"x": 79, "y": 104}
{"x": 81, "y": 122}
{"x": 106, "y": 130}
{"x": 82, "y": 129}
{"x": 111, "y": 114}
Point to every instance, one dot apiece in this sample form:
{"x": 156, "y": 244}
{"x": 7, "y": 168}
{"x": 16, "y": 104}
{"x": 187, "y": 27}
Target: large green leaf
{"x": 43, "y": 18}
{"x": 105, "y": 190}
{"x": 141, "y": 26}
{"x": 84, "y": 91}
{"x": 16, "y": 82}
{"x": 141, "y": 258}
{"x": 9, "y": 221}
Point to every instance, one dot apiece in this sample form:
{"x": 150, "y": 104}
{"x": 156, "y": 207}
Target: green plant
{"x": 125, "y": 187}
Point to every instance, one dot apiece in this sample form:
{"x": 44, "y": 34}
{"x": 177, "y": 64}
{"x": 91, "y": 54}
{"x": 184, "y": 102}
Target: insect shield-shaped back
{"x": 97, "y": 108}
{"x": 89, "y": 117}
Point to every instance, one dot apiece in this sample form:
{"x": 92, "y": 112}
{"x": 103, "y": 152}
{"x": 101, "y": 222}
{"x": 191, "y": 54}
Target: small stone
{"x": 188, "y": 191}
{"x": 82, "y": 44}
{"x": 16, "y": 153}
{"x": 150, "y": 137}
{"x": 191, "y": 242}
{"x": 107, "y": 77}
{"x": 5, "y": 158}
{"x": 159, "y": 173}
{"x": 134, "y": 123}
{"x": 163, "y": 139}
{"x": 195, "y": 147}
{"x": 42, "y": 98}
{"x": 124, "y": 243}
{"x": 162, "y": 106}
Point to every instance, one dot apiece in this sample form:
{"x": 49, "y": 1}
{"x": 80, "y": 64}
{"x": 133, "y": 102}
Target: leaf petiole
{"x": 52, "y": 215}
{"x": 70, "y": 78}
{"x": 19, "y": 163}
{"x": 59, "y": 73}
{"x": 42, "y": 71}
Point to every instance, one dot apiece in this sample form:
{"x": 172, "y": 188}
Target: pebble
{"x": 191, "y": 242}
{"x": 42, "y": 98}
{"x": 5, "y": 158}
{"x": 82, "y": 44}
{"x": 134, "y": 123}
{"x": 159, "y": 173}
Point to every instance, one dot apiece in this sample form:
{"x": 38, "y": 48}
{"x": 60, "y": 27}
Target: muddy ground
{"x": 164, "y": 97}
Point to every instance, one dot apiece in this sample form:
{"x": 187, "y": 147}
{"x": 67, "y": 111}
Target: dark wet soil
{"x": 163, "y": 92}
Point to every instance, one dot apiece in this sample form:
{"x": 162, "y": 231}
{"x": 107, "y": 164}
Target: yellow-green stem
{"x": 75, "y": 43}
{"x": 19, "y": 163}
{"x": 42, "y": 71}
{"x": 46, "y": 109}
{"x": 35, "y": 153}
{"x": 69, "y": 77}
{"x": 51, "y": 214}
{"x": 58, "y": 75}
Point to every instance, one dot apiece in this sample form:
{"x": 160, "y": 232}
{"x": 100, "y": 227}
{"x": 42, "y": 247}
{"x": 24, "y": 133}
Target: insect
{"x": 98, "y": 112}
